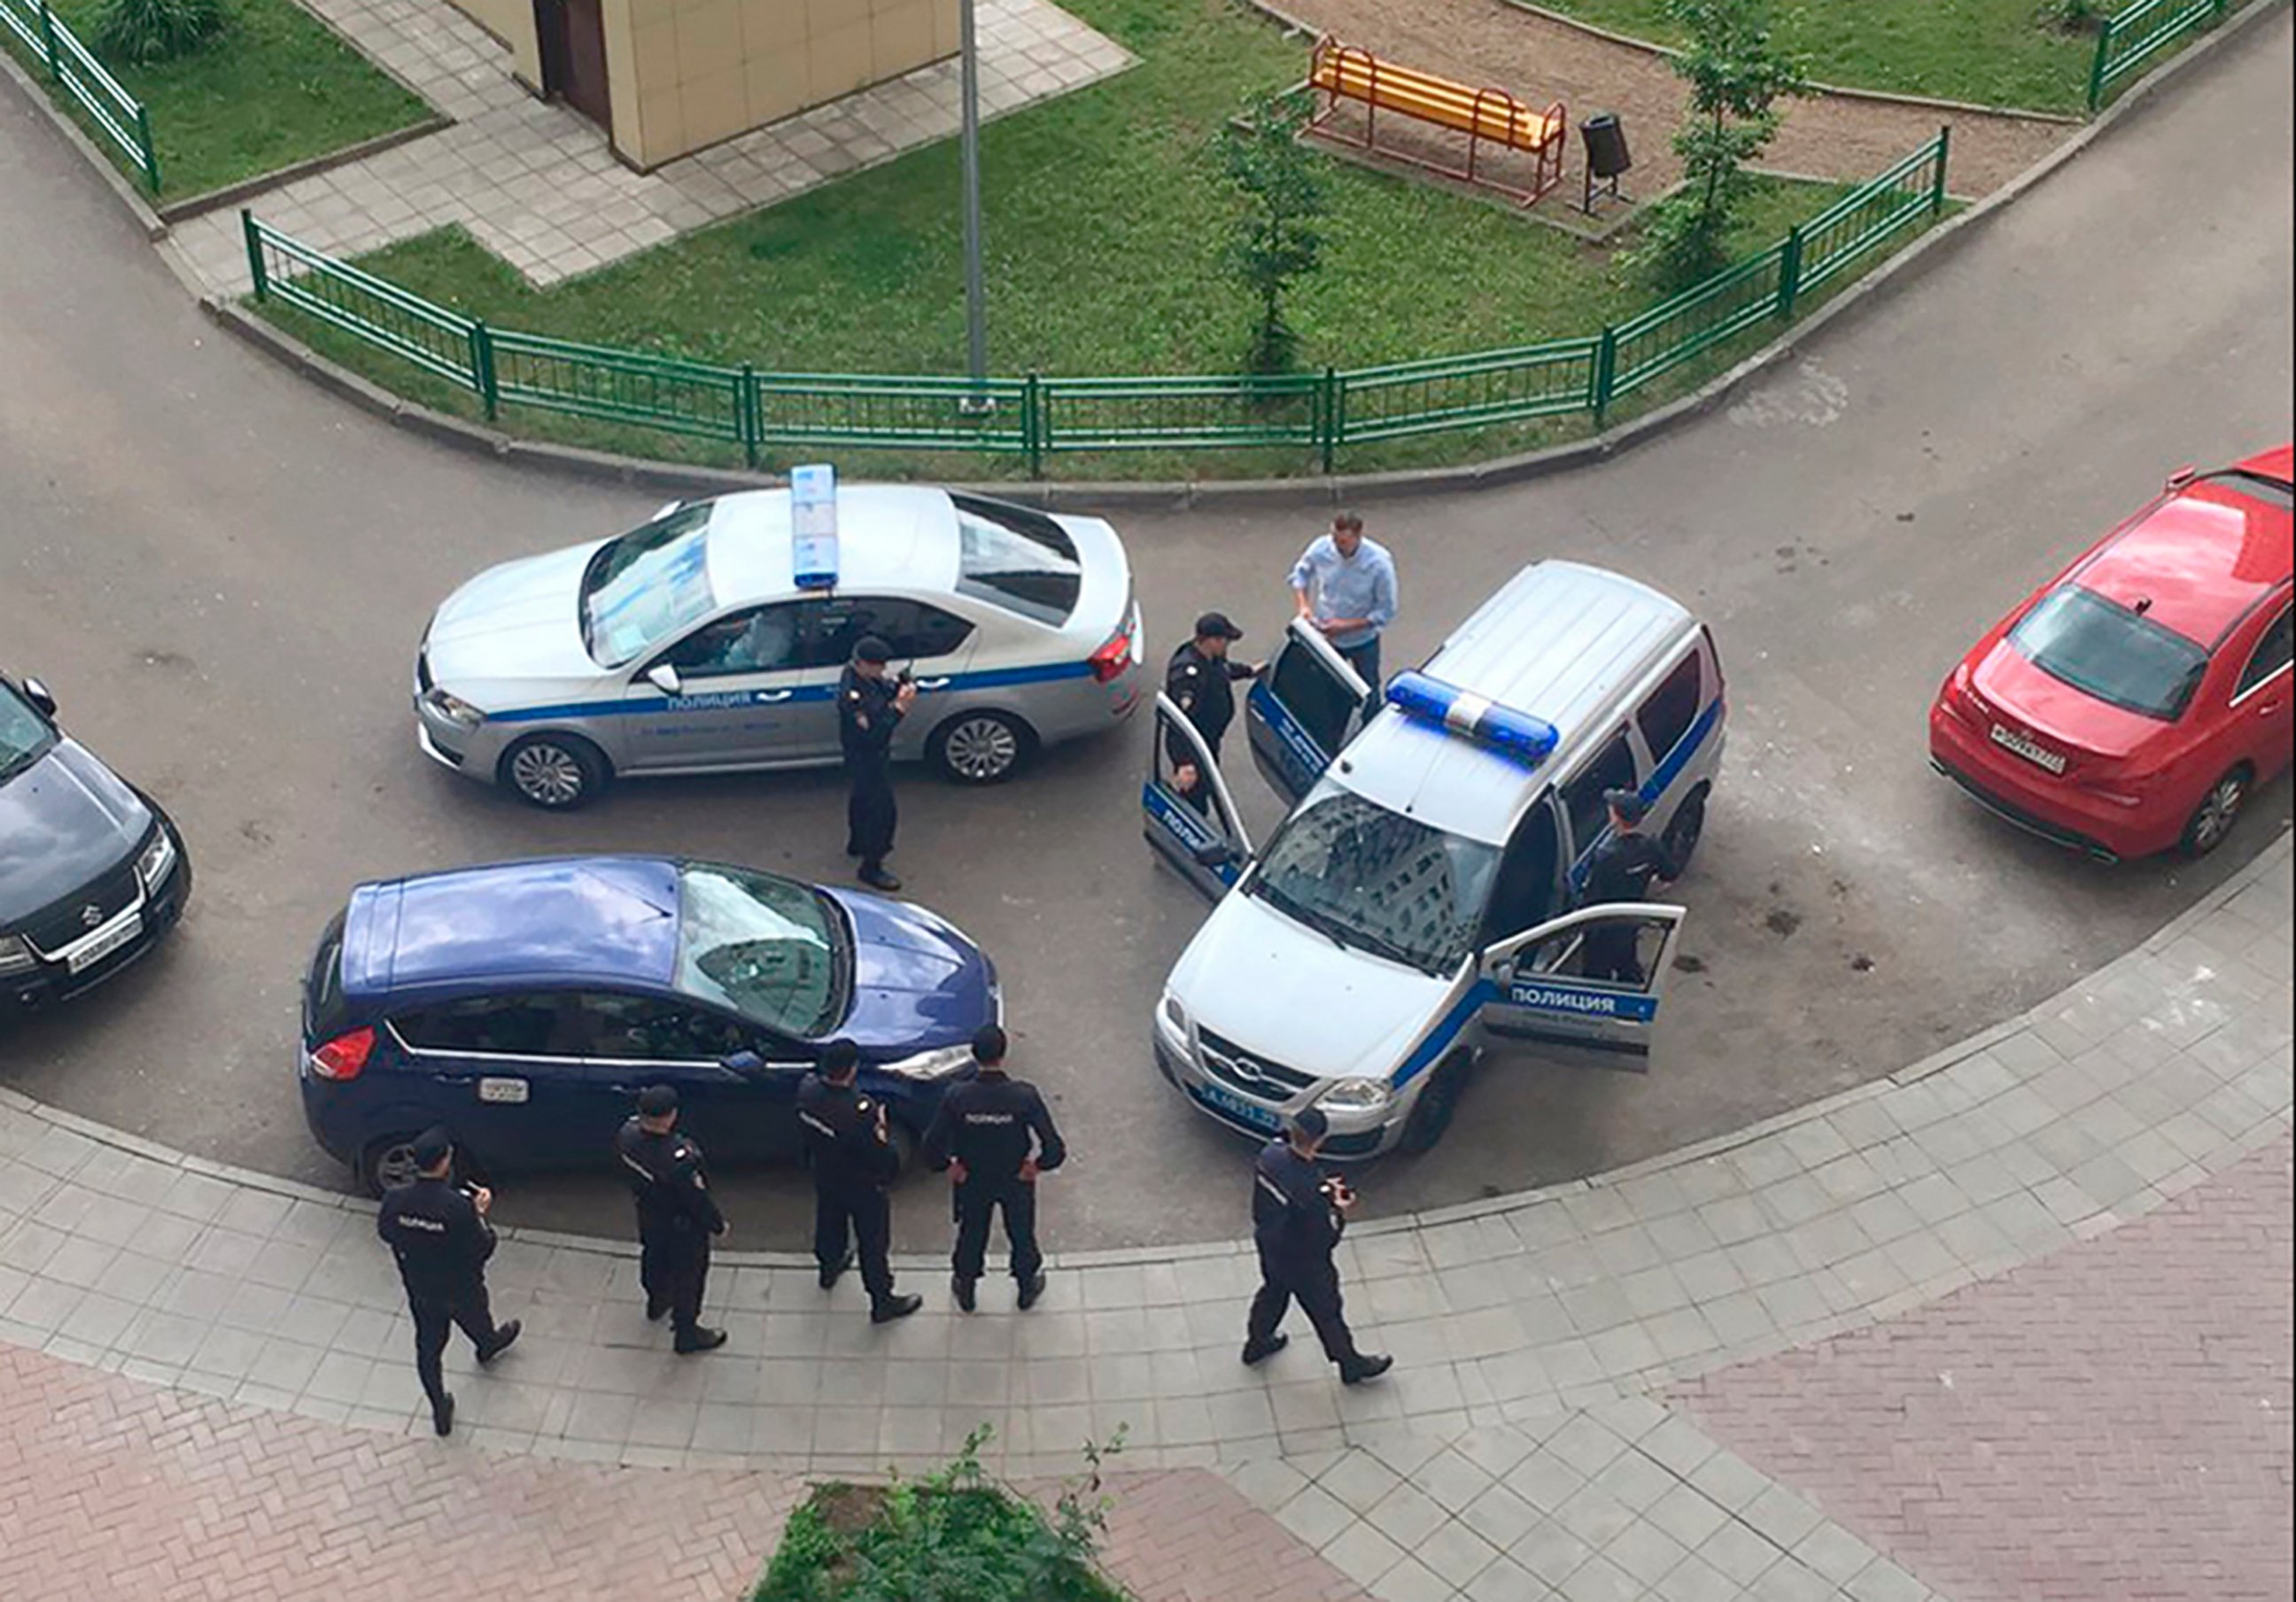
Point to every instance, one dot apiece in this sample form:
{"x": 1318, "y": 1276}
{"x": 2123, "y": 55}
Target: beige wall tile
{"x": 616, "y": 23}
{"x": 900, "y": 37}
{"x": 662, "y": 118}
{"x": 841, "y": 60}
{"x": 717, "y": 107}
{"x": 775, "y": 25}
{"x": 823, "y": 18}
{"x": 708, "y": 42}
{"x": 778, "y": 84}
{"x": 654, "y": 49}
{"x": 948, "y": 24}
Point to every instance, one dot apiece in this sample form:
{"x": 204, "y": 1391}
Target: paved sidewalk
{"x": 536, "y": 183}
{"x": 1519, "y": 1324}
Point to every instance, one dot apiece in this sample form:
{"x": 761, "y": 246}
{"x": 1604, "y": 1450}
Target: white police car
{"x": 711, "y": 639}
{"x": 1417, "y": 903}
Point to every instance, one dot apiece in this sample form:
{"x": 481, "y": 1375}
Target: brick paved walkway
{"x": 2110, "y": 1424}
{"x": 536, "y": 184}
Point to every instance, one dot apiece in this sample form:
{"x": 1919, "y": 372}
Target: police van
{"x": 1421, "y": 899}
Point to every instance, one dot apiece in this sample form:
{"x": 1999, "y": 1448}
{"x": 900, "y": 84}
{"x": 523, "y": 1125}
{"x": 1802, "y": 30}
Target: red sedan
{"x": 2133, "y": 703}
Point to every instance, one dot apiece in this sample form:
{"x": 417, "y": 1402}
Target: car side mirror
{"x": 2182, "y": 479}
{"x": 666, "y": 509}
{"x": 663, "y": 677}
{"x": 1216, "y": 855}
{"x": 748, "y": 1065}
{"x": 43, "y": 699}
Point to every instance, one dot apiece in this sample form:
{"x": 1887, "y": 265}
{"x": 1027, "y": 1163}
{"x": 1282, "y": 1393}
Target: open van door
{"x": 1303, "y": 709}
{"x": 1591, "y": 982}
{"x": 1195, "y": 828}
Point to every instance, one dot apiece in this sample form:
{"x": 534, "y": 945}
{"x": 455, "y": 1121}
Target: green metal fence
{"x": 75, "y": 69}
{"x": 1032, "y": 418}
{"x": 2127, "y": 41}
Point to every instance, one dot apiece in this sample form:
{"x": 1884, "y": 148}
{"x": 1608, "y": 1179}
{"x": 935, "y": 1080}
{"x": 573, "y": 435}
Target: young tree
{"x": 1737, "y": 74}
{"x": 1278, "y": 240}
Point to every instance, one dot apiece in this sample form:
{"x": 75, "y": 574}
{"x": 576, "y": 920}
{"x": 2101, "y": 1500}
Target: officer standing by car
{"x": 1201, "y": 680}
{"x": 678, "y": 1217}
{"x": 1622, "y": 869}
{"x": 850, "y": 1142}
{"x": 1297, "y": 1218}
{"x": 437, "y": 1230}
{"x": 870, "y": 706}
{"x": 994, "y": 1135}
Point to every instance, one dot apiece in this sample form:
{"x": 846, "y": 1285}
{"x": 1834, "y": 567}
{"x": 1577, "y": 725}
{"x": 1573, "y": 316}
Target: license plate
{"x": 89, "y": 955}
{"x": 2032, "y": 750}
{"x": 1237, "y": 1108}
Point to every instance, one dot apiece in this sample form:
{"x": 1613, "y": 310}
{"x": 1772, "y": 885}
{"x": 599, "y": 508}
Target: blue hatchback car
{"x": 522, "y": 1006}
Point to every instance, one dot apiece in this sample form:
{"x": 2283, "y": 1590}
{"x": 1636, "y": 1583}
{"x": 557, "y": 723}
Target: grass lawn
{"x": 280, "y": 87}
{"x": 1105, "y": 222}
{"x": 1996, "y": 53}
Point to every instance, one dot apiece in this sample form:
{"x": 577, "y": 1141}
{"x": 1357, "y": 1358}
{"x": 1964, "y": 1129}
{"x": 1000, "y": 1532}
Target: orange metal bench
{"x": 1350, "y": 73}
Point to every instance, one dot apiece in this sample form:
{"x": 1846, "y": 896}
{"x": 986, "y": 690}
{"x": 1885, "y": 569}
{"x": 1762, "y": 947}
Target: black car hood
{"x": 63, "y": 822}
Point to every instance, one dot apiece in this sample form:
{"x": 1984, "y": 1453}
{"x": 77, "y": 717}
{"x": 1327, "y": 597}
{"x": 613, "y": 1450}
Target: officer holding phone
{"x": 871, "y": 703}
{"x": 437, "y": 1230}
{"x": 1297, "y": 1216}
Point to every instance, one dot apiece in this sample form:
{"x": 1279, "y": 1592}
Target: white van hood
{"x": 1287, "y": 994}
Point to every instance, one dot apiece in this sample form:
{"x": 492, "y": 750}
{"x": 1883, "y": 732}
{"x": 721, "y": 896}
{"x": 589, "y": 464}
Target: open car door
{"x": 1303, "y": 709}
{"x": 1193, "y": 826}
{"x": 1590, "y": 983}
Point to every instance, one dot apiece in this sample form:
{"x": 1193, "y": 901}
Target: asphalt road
{"x": 222, "y": 573}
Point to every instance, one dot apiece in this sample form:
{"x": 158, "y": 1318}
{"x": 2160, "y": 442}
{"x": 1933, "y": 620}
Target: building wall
{"x": 693, "y": 72}
{"x": 512, "y": 22}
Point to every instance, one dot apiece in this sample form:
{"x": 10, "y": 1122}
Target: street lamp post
{"x": 976, "y": 306}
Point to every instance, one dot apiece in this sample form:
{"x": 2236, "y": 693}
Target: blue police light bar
{"x": 1528, "y": 740}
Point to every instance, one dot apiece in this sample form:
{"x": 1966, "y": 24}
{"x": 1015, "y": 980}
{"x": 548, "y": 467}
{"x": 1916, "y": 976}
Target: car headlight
{"x": 455, "y": 709}
{"x": 1357, "y": 1095}
{"x": 15, "y": 956}
{"x": 155, "y": 860}
{"x": 1175, "y": 1014}
{"x": 945, "y": 1063}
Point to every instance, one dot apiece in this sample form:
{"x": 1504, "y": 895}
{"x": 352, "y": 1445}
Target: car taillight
{"x": 1110, "y": 660}
{"x": 343, "y": 1057}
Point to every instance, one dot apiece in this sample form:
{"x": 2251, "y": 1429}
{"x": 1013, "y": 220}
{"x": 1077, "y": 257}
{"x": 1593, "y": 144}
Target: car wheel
{"x": 2218, "y": 811}
{"x": 1438, "y": 1105}
{"x": 1685, "y": 829}
{"x": 387, "y": 1162}
{"x": 981, "y": 748}
{"x": 557, "y": 773}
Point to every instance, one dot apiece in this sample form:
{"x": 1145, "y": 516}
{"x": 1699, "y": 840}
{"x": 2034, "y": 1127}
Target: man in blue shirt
{"x": 1345, "y": 586}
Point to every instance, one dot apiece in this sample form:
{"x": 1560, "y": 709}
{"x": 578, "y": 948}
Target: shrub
{"x": 2074, "y": 16}
{"x": 1276, "y": 237}
{"x": 156, "y": 30}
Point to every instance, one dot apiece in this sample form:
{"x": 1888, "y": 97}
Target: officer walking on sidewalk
{"x": 678, "y": 1217}
{"x": 437, "y": 1230}
{"x": 870, "y": 706}
{"x": 1297, "y": 1218}
{"x": 850, "y": 1145}
{"x": 995, "y": 1135}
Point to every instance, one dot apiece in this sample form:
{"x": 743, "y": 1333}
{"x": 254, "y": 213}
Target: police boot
{"x": 1365, "y": 1369}
{"x": 1032, "y": 1290}
{"x": 442, "y": 1414}
{"x": 505, "y": 1334}
{"x": 1255, "y": 1354}
{"x": 962, "y": 1289}
{"x": 699, "y": 1339}
{"x": 894, "y": 1308}
{"x": 835, "y": 1271}
{"x": 878, "y": 877}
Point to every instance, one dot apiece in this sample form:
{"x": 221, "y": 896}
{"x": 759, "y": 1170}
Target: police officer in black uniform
{"x": 870, "y": 706}
{"x": 995, "y": 1135}
{"x": 849, "y": 1143}
{"x": 1297, "y": 1218}
{"x": 678, "y": 1217}
{"x": 1201, "y": 680}
{"x": 437, "y": 1230}
{"x": 1624, "y": 866}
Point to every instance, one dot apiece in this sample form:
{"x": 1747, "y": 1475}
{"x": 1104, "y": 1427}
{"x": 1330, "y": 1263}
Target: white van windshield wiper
{"x": 1298, "y": 911}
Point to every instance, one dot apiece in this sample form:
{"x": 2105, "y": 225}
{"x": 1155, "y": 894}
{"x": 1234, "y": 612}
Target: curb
{"x": 1271, "y": 494}
{"x": 231, "y": 194}
{"x": 154, "y": 226}
{"x": 2265, "y": 861}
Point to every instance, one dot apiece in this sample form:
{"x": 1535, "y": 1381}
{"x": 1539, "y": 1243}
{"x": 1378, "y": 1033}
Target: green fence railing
{"x": 1030, "y": 419}
{"x": 2127, "y": 41}
{"x": 74, "y": 69}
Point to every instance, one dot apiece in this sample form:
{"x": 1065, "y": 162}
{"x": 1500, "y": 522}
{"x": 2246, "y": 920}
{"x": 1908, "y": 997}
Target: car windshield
{"x": 1016, "y": 559}
{"x": 1378, "y": 881}
{"x": 25, "y": 735}
{"x": 2116, "y": 654}
{"x": 764, "y": 946}
{"x": 647, "y": 586}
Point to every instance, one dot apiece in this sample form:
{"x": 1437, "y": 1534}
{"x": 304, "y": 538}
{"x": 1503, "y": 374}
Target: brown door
{"x": 573, "y": 37}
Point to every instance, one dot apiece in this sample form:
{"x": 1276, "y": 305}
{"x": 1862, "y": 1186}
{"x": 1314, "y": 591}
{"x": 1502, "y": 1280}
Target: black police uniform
{"x": 991, "y": 1125}
{"x": 851, "y": 1167}
{"x": 1624, "y": 866}
{"x": 433, "y": 1227}
{"x": 866, "y": 718}
{"x": 676, "y": 1219}
{"x": 1297, "y": 1229}
{"x": 1202, "y": 686}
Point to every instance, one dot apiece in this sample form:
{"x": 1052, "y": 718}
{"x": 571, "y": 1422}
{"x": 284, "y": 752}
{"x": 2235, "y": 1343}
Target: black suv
{"x": 92, "y": 873}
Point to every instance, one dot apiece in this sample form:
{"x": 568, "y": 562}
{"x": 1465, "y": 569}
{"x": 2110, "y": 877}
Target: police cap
{"x": 869, "y": 647}
{"x": 658, "y": 1100}
{"x": 432, "y": 1148}
{"x": 1628, "y": 804}
{"x": 1215, "y": 625}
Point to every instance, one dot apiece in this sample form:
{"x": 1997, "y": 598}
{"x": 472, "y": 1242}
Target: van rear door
{"x": 1306, "y": 706}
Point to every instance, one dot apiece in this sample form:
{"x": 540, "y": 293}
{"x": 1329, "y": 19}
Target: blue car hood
{"x": 65, "y": 820}
{"x": 917, "y": 982}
